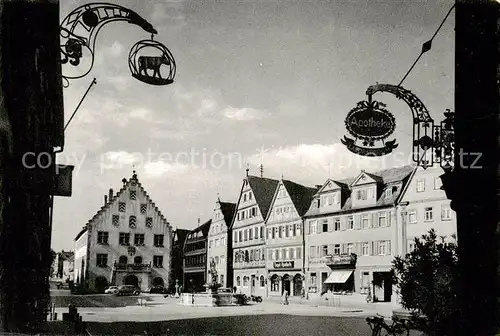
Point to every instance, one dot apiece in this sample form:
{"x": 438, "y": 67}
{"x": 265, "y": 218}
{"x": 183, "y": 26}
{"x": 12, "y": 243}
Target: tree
{"x": 427, "y": 282}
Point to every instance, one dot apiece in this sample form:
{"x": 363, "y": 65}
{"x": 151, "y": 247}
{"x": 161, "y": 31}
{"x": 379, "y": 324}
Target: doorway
{"x": 100, "y": 284}
{"x": 158, "y": 282}
{"x": 131, "y": 280}
{"x": 297, "y": 285}
{"x": 252, "y": 285}
{"x": 286, "y": 284}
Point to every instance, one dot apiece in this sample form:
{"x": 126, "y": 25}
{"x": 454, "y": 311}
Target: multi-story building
{"x": 177, "y": 257}
{"x": 424, "y": 206}
{"x": 350, "y": 233}
{"x": 195, "y": 258}
{"x": 249, "y": 264}
{"x": 127, "y": 242}
{"x": 219, "y": 243}
{"x": 285, "y": 239}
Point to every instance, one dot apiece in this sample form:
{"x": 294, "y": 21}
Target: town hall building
{"x": 127, "y": 242}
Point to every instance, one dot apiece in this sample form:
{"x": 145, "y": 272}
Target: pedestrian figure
{"x": 369, "y": 295}
{"x": 303, "y": 293}
{"x": 285, "y": 297}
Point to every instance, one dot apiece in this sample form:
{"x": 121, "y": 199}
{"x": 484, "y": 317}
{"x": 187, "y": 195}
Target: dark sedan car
{"x": 128, "y": 290}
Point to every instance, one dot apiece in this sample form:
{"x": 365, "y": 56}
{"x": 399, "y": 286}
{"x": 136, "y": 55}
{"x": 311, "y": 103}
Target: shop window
{"x": 262, "y": 281}
{"x": 238, "y": 281}
{"x": 245, "y": 281}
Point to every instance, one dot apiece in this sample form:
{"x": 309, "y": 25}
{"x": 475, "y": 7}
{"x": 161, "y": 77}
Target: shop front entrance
{"x": 297, "y": 285}
{"x": 286, "y": 284}
{"x": 382, "y": 284}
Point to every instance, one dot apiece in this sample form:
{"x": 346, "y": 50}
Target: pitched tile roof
{"x": 181, "y": 235}
{"x": 111, "y": 200}
{"x": 301, "y": 196}
{"x": 204, "y": 228}
{"x": 263, "y": 190}
{"x": 228, "y": 210}
{"x": 387, "y": 177}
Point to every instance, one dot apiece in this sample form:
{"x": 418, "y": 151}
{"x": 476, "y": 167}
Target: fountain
{"x": 211, "y": 298}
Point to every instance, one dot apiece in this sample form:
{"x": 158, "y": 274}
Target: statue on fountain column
{"x": 177, "y": 288}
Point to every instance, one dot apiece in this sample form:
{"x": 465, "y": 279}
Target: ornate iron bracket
{"x": 431, "y": 143}
{"x": 79, "y": 31}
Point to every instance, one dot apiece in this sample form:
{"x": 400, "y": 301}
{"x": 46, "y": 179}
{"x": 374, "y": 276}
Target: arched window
{"x": 245, "y": 281}
{"x": 122, "y": 260}
{"x": 275, "y": 283}
{"x": 262, "y": 281}
{"x": 238, "y": 281}
{"x": 138, "y": 260}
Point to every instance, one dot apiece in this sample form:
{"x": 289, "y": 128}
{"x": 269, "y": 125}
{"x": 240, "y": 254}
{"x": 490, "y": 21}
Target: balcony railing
{"x": 132, "y": 267}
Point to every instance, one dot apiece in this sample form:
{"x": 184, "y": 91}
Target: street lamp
{"x": 79, "y": 31}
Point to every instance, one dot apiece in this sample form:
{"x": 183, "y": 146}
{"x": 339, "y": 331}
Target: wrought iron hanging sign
{"x": 78, "y": 37}
{"x": 370, "y": 122}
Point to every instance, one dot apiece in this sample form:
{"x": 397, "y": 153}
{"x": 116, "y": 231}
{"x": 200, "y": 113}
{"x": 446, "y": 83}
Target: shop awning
{"x": 338, "y": 276}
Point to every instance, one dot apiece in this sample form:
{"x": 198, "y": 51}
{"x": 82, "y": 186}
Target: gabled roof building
{"x": 350, "y": 233}
{"x": 127, "y": 242}
{"x": 195, "y": 258}
{"x": 249, "y": 254}
{"x": 177, "y": 264}
{"x": 219, "y": 244}
{"x": 285, "y": 238}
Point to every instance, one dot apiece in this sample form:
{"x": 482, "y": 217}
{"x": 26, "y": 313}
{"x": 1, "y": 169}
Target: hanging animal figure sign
{"x": 152, "y": 63}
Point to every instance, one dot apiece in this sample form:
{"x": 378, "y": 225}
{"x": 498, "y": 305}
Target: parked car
{"x": 157, "y": 290}
{"x": 111, "y": 290}
{"x": 127, "y": 290}
{"x": 224, "y": 290}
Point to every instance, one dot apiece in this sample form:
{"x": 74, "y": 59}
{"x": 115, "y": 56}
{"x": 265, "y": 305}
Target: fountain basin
{"x": 208, "y": 299}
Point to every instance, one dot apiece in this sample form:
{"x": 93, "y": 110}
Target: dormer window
{"x": 388, "y": 192}
{"x": 361, "y": 194}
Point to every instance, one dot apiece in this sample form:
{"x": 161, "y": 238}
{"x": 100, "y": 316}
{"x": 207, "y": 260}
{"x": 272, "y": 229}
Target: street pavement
{"x": 166, "y": 316}
{"x": 163, "y": 309}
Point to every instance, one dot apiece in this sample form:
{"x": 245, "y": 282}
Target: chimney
{"x": 110, "y": 194}
{"x": 261, "y": 170}
{"x": 318, "y": 186}
{"x": 105, "y": 199}
{"x": 248, "y": 169}
{"x": 198, "y": 221}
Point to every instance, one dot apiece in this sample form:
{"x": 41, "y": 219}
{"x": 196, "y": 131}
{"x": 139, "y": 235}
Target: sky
{"x": 258, "y": 83}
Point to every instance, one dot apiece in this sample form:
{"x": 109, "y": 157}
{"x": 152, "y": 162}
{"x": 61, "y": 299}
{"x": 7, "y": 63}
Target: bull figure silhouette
{"x": 152, "y": 62}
